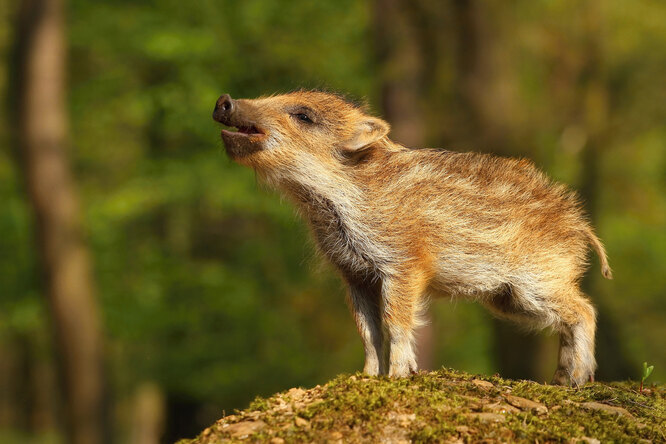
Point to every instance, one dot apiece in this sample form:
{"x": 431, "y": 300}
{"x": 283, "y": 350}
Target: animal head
{"x": 280, "y": 134}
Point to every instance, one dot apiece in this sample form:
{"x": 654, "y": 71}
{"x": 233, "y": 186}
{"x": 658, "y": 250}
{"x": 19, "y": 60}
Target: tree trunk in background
{"x": 485, "y": 85}
{"x": 149, "y": 415}
{"x": 65, "y": 263}
{"x": 400, "y": 61}
{"x": 487, "y": 103}
{"x": 593, "y": 107}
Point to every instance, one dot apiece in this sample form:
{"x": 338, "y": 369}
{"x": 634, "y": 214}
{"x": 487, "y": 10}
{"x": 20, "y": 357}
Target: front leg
{"x": 401, "y": 305}
{"x": 365, "y": 301}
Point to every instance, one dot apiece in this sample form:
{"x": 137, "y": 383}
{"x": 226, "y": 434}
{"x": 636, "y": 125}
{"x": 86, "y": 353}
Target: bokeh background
{"x": 205, "y": 289}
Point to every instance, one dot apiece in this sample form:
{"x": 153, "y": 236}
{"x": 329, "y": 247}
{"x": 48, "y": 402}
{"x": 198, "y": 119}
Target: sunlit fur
{"x": 403, "y": 225}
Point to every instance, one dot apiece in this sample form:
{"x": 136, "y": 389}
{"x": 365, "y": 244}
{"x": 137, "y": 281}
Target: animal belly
{"x": 470, "y": 279}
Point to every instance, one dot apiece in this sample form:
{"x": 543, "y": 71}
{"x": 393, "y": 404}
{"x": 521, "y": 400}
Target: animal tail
{"x": 601, "y": 252}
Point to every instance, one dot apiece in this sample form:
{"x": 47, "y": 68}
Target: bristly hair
{"x": 358, "y": 103}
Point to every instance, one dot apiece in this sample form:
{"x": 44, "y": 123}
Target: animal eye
{"x": 303, "y": 117}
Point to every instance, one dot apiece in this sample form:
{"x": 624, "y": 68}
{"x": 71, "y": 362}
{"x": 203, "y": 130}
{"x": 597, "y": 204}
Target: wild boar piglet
{"x": 403, "y": 225}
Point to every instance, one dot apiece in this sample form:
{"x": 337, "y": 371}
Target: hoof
{"x": 562, "y": 378}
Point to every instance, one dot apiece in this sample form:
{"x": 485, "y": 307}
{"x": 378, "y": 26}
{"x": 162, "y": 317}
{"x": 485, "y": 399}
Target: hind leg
{"x": 569, "y": 312}
{"x": 577, "y": 328}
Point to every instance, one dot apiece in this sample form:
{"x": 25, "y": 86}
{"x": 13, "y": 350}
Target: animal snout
{"x": 224, "y": 108}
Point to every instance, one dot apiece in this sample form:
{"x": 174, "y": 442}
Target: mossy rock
{"x": 447, "y": 406}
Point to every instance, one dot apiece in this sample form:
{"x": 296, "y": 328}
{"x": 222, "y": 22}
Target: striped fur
{"x": 403, "y": 224}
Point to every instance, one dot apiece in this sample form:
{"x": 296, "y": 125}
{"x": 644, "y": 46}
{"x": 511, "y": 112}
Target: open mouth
{"x": 244, "y": 131}
{"x": 243, "y": 140}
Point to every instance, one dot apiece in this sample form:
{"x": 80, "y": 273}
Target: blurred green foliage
{"x": 209, "y": 284}
{"x": 204, "y": 278}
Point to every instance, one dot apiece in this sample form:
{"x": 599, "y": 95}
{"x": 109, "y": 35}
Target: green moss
{"x": 447, "y": 404}
{"x": 259, "y": 404}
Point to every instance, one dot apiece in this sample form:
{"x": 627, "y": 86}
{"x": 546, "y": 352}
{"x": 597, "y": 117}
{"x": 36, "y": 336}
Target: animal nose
{"x": 224, "y": 107}
{"x": 225, "y": 103}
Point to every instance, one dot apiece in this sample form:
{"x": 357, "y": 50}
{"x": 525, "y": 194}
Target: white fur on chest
{"x": 339, "y": 215}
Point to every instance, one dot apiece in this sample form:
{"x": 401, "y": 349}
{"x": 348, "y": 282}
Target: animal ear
{"x": 367, "y": 131}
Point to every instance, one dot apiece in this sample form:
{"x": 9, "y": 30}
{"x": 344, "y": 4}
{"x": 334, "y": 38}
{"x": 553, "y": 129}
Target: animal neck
{"x": 321, "y": 203}
{"x": 337, "y": 211}
{"x": 312, "y": 185}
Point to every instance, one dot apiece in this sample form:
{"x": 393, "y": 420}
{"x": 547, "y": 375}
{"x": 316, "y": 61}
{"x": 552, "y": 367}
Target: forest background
{"x": 203, "y": 291}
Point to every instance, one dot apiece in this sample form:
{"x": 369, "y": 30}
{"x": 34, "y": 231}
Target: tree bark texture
{"x": 65, "y": 262}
